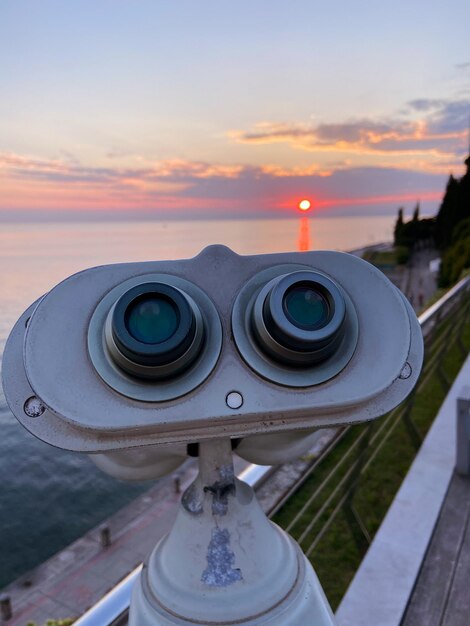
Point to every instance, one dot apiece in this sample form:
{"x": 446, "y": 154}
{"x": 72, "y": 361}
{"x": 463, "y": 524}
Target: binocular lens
{"x": 154, "y": 325}
{"x": 298, "y": 318}
{"x": 154, "y": 337}
{"x": 152, "y": 318}
{"x": 306, "y": 307}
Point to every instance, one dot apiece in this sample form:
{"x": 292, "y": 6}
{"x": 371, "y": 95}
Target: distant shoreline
{"x": 32, "y": 216}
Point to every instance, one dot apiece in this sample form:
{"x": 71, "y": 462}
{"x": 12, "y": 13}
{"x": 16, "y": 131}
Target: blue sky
{"x": 208, "y": 107}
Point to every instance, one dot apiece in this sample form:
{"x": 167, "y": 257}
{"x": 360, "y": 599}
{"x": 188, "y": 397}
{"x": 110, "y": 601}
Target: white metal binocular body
{"x": 134, "y": 362}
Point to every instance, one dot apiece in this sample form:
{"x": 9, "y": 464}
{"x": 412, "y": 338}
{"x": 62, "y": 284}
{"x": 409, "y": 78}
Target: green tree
{"x": 454, "y": 261}
{"x": 455, "y": 208}
{"x": 398, "y": 227}
{"x": 462, "y": 230}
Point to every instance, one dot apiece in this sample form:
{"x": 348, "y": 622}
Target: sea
{"x": 50, "y": 497}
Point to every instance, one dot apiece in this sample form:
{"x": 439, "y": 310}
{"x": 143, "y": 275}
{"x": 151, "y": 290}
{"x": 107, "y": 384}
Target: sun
{"x": 305, "y": 205}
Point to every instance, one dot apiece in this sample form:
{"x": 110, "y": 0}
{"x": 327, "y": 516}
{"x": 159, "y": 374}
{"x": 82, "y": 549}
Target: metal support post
{"x": 224, "y": 562}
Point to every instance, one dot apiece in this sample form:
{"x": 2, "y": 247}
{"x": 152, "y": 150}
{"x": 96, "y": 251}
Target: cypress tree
{"x": 398, "y": 227}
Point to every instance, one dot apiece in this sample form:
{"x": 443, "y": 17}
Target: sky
{"x": 211, "y": 108}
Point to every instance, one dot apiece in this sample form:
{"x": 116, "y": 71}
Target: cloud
{"x": 176, "y": 172}
{"x": 362, "y": 136}
{"x": 451, "y": 118}
{"x": 179, "y": 187}
{"x": 463, "y": 66}
{"x": 433, "y": 128}
{"x": 365, "y": 164}
{"x": 426, "y": 104}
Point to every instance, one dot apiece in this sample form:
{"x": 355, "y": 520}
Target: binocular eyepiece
{"x": 154, "y": 331}
{"x": 298, "y": 318}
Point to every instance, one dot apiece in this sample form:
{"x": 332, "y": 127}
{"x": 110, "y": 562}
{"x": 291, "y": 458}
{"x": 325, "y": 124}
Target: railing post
{"x": 358, "y": 529}
{"x": 462, "y": 465}
{"x": 105, "y": 536}
{"x": 460, "y": 341}
{"x": 5, "y": 607}
{"x": 443, "y": 379}
{"x": 415, "y": 436}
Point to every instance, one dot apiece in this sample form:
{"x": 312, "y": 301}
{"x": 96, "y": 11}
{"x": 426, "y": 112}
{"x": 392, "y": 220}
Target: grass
{"x": 380, "y": 258}
{"x": 54, "y": 622}
{"x": 338, "y": 550}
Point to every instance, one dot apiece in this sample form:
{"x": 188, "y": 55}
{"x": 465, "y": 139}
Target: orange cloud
{"x": 197, "y": 169}
{"x": 430, "y": 135}
{"x": 210, "y": 188}
{"x": 356, "y": 137}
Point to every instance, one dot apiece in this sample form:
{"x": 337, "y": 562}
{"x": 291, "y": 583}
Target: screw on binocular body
{"x": 234, "y": 400}
{"x": 33, "y": 407}
{"x": 406, "y": 371}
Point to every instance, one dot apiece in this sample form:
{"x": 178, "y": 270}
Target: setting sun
{"x": 304, "y": 205}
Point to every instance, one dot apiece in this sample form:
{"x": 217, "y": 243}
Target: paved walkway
{"x": 442, "y": 593}
{"x": 78, "y": 576}
{"x": 420, "y": 282}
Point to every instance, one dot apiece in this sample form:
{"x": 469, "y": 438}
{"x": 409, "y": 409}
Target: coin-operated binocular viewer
{"x": 133, "y": 363}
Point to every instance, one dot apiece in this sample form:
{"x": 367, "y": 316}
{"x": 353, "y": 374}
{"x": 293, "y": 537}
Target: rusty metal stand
{"x": 224, "y": 562}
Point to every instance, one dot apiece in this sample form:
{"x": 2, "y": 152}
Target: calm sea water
{"x": 49, "y": 497}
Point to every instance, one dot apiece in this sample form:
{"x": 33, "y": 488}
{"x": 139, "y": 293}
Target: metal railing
{"x": 433, "y": 315}
{"x": 112, "y": 609}
{"x": 338, "y": 492}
